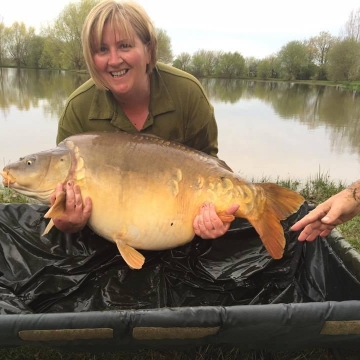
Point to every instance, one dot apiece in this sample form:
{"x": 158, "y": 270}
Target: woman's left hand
{"x": 208, "y": 225}
{"x": 76, "y": 215}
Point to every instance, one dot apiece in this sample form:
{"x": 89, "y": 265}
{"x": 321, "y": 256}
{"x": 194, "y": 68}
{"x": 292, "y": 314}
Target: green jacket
{"x": 179, "y": 110}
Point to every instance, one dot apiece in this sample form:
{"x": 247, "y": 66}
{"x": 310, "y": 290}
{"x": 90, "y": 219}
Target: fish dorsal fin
{"x": 58, "y": 208}
{"x": 223, "y": 164}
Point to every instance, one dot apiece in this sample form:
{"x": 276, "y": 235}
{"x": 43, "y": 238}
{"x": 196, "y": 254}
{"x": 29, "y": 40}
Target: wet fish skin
{"x": 146, "y": 191}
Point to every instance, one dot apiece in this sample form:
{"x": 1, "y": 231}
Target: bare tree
{"x": 2, "y": 43}
{"x": 319, "y": 46}
{"x": 351, "y": 29}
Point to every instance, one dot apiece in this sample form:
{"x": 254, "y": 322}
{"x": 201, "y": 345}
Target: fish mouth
{"x": 7, "y": 178}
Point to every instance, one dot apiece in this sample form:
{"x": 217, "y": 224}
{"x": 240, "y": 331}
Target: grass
{"x": 352, "y": 85}
{"x": 208, "y": 352}
{"x": 10, "y": 196}
{"x": 315, "y": 190}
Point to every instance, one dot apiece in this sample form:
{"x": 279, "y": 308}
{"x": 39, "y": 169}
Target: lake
{"x": 266, "y": 129}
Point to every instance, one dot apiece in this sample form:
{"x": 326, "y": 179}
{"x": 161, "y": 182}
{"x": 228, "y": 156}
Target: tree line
{"x": 58, "y": 46}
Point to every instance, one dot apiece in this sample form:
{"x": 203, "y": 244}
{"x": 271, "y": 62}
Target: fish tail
{"x": 279, "y": 204}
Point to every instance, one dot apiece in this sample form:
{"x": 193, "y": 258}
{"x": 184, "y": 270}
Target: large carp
{"x": 146, "y": 191}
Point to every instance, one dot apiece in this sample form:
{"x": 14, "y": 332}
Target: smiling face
{"x": 121, "y": 63}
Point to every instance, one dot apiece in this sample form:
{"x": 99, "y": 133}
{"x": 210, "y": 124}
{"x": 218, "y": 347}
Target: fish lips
{"x": 8, "y": 179}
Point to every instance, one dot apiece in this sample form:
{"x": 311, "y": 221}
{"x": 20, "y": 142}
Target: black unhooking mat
{"x": 76, "y": 291}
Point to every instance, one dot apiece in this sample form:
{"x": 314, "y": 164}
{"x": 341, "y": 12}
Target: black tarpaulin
{"x": 208, "y": 290}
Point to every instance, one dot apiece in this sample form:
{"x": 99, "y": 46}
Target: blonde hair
{"x": 123, "y": 16}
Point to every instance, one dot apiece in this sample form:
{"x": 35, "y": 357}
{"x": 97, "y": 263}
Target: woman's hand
{"x": 336, "y": 210}
{"x": 76, "y": 214}
{"x": 208, "y": 225}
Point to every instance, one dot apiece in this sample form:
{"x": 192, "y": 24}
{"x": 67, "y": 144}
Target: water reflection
{"x": 266, "y": 129}
{"x": 26, "y": 89}
{"x": 286, "y": 129}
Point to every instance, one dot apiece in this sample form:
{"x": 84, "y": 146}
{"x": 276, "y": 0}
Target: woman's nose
{"x": 115, "y": 58}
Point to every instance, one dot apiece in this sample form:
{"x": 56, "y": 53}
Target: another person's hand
{"x": 208, "y": 225}
{"x": 76, "y": 214}
{"x": 336, "y": 210}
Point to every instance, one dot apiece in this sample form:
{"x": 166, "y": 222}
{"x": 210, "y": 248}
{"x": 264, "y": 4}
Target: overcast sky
{"x": 254, "y": 28}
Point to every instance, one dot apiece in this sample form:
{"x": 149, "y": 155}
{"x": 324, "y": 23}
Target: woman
{"x": 130, "y": 91}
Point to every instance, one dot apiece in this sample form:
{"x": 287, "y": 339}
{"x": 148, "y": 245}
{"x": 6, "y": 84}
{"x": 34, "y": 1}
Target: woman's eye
{"x": 102, "y": 49}
{"x": 125, "y": 46}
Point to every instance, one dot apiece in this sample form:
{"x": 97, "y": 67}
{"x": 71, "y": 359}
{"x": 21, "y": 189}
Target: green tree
{"x": 64, "y": 37}
{"x": 251, "y": 64}
{"x": 183, "y": 61}
{"x": 294, "y": 59}
{"x": 204, "y": 63}
{"x": 198, "y": 63}
{"x": 230, "y": 65}
{"x": 51, "y": 56}
{"x": 36, "y": 47}
{"x": 344, "y": 61}
{"x": 164, "y": 50}
{"x": 264, "y": 69}
{"x": 211, "y": 59}
{"x": 18, "y": 38}
{"x": 268, "y": 68}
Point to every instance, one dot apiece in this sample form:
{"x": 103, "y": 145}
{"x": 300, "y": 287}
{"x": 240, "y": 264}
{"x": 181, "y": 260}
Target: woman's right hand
{"x": 76, "y": 214}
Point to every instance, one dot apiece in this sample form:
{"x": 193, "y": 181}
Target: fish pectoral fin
{"x": 224, "y": 217}
{"x": 132, "y": 257}
{"x": 48, "y": 227}
{"x": 58, "y": 208}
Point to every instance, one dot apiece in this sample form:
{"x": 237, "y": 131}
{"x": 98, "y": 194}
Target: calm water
{"x": 265, "y": 129}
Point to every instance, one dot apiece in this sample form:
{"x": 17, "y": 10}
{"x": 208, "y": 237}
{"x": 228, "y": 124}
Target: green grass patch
{"x": 352, "y": 85}
{"x": 10, "y": 196}
{"x": 208, "y": 352}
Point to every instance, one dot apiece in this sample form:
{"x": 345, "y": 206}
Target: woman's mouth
{"x": 116, "y": 74}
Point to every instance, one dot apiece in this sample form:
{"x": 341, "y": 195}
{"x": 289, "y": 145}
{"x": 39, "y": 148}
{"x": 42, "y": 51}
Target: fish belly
{"x": 150, "y": 199}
